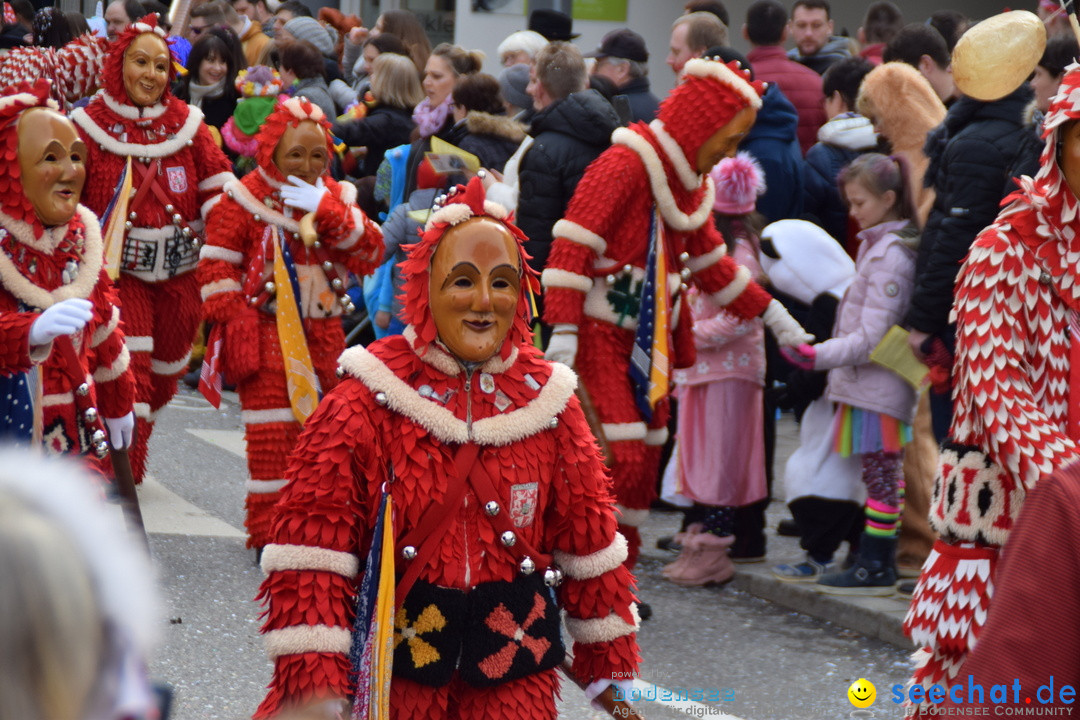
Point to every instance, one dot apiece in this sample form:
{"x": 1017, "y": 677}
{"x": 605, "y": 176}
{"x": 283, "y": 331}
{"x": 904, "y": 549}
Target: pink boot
{"x": 707, "y": 561}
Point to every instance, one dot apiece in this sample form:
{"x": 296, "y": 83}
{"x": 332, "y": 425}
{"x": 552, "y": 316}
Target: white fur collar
{"x": 138, "y": 150}
{"x": 131, "y": 112}
{"x": 691, "y": 178}
{"x": 24, "y": 233}
{"x": 497, "y": 430}
{"x": 89, "y": 269}
{"x": 276, "y": 184}
{"x": 439, "y": 357}
{"x": 665, "y": 201}
{"x": 239, "y": 192}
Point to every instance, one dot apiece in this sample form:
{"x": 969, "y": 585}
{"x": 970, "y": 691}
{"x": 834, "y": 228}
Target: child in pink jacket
{"x": 874, "y": 406}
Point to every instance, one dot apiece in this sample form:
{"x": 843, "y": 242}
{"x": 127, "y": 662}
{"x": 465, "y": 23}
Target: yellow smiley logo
{"x": 862, "y": 693}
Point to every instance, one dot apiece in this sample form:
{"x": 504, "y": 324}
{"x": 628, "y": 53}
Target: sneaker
{"x": 788, "y": 528}
{"x": 807, "y": 571}
{"x": 905, "y": 588}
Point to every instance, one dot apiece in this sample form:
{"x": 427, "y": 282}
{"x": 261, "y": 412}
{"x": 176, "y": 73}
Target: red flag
{"x": 210, "y": 376}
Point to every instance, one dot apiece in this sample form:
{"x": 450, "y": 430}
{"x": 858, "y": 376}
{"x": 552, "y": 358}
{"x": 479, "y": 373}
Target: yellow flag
{"x": 384, "y": 613}
{"x": 114, "y": 230}
{"x": 659, "y": 373}
{"x": 299, "y": 374}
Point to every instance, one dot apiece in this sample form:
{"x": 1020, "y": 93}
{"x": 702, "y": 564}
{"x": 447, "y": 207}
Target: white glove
{"x": 563, "y": 344}
{"x": 784, "y": 328}
{"x": 121, "y": 431}
{"x": 595, "y": 688}
{"x": 303, "y": 195}
{"x": 63, "y": 318}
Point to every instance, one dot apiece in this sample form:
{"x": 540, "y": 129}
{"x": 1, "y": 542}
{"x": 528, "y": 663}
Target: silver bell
{"x": 610, "y": 279}
{"x": 550, "y": 578}
{"x": 327, "y": 265}
{"x": 128, "y": 224}
{"x": 508, "y": 538}
{"x": 492, "y": 508}
{"x": 684, "y": 257}
{"x": 408, "y": 552}
{"x": 132, "y": 215}
{"x": 336, "y": 283}
{"x": 380, "y": 398}
{"x": 177, "y": 218}
{"x": 170, "y": 209}
{"x": 194, "y": 243}
{"x": 317, "y": 244}
{"x": 628, "y": 268}
{"x": 685, "y": 273}
{"x": 270, "y": 287}
{"x": 554, "y": 423}
{"x": 83, "y": 390}
{"x": 101, "y": 449}
{"x": 98, "y": 437}
{"x": 91, "y": 415}
{"x": 340, "y": 372}
{"x": 527, "y": 566}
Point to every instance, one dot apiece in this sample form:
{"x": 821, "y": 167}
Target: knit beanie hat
{"x": 739, "y": 180}
{"x": 512, "y": 82}
{"x": 305, "y": 28}
{"x": 709, "y": 96}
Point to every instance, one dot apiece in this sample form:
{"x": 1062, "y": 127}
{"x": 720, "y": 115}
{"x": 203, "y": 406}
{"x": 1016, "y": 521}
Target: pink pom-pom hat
{"x": 739, "y": 180}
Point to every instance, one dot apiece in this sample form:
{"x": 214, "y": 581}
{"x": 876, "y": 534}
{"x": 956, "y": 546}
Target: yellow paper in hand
{"x": 894, "y": 354}
{"x": 440, "y": 147}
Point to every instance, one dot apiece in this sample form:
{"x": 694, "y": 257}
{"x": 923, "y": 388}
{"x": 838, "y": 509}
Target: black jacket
{"x": 492, "y": 138}
{"x": 643, "y": 104}
{"x": 568, "y": 135}
{"x": 973, "y": 155}
{"x": 383, "y": 128}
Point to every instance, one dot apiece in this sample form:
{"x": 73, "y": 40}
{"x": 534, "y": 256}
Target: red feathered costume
{"x": 234, "y": 267}
{"x": 84, "y": 377}
{"x": 597, "y": 265}
{"x": 1015, "y": 420}
{"x": 181, "y": 168}
{"x": 403, "y": 415}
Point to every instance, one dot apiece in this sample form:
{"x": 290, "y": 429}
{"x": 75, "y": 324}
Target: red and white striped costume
{"x": 235, "y": 240}
{"x": 399, "y": 416}
{"x": 597, "y": 263}
{"x": 75, "y": 69}
{"x": 158, "y": 291}
{"x": 1014, "y": 296}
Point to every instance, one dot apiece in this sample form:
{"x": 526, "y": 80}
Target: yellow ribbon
{"x": 300, "y": 377}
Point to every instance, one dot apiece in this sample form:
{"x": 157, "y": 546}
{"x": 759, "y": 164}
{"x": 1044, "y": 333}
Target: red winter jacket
{"x": 800, "y": 85}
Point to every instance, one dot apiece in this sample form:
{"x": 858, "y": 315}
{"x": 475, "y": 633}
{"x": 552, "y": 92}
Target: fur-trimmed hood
{"x": 481, "y": 123}
{"x": 902, "y": 103}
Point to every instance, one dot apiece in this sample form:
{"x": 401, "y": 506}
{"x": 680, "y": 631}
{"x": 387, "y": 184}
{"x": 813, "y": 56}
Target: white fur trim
{"x": 688, "y": 176}
{"x": 495, "y": 210}
{"x": 102, "y": 333}
{"x": 57, "y": 399}
{"x": 665, "y": 201}
{"x": 145, "y": 28}
{"x": 28, "y": 99}
{"x": 206, "y": 207}
{"x": 215, "y": 181}
{"x": 348, "y": 193}
{"x": 278, "y": 558}
{"x": 107, "y": 374}
{"x": 139, "y": 343}
{"x": 603, "y": 629}
{"x": 138, "y": 150}
{"x": 294, "y": 106}
{"x": 264, "y": 487}
{"x": 307, "y": 639}
{"x": 439, "y": 358}
{"x": 584, "y": 567}
{"x": 733, "y": 289}
{"x": 582, "y": 236}
{"x": 219, "y": 286}
{"x": 658, "y": 436}
{"x": 453, "y": 214}
{"x": 259, "y": 417}
{"x": 443, "y": 424}
{"x": 243, "y": 197}
{"x": 702, "y": 68}
{"x": 700, "y": 262}
{"x": 349, "y": 241}
{"x": 142, "y": 410}
{"x": 160, "y": 367}
{"x": 621, "y": 432}
{"x": 214, "y": 252}
{"x": 554, "y": 277}
{"x": 89, "y": 269}
{"x": 630, "y": 516}
{"x": 131, "y": 112}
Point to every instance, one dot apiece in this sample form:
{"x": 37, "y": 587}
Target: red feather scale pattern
{"x": 302, "y": 679}
{"x": 1014, "y": 295}
{"x": 552, "y": 477}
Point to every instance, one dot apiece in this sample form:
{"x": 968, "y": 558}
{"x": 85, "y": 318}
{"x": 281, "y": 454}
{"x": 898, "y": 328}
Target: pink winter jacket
{"x": 876, "y": 300}
{"x": 728, "y": 347}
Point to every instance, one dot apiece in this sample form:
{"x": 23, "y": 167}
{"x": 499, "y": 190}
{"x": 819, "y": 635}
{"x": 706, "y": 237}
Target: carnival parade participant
{"x": 64, "y": 363}
{"x": 175, "y": 169}
{"x": 613, "y": 276}
{"x": 246, "y": 231}
{"x": 497, "y": 488}
{"x": 1015, "y": 419}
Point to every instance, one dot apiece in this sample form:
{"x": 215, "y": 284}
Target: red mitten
{"x": 242, "y": 346}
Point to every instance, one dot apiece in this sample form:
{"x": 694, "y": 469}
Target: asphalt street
{"x": 746, "y": 658}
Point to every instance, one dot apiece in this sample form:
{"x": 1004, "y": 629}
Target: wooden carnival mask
{"x": 302, "y": 152}
{"x": 52, "y": 166}
{"x": 474, "y": 287}
{"x": 725, "y": 141}
{"x": 146, "y": 69}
